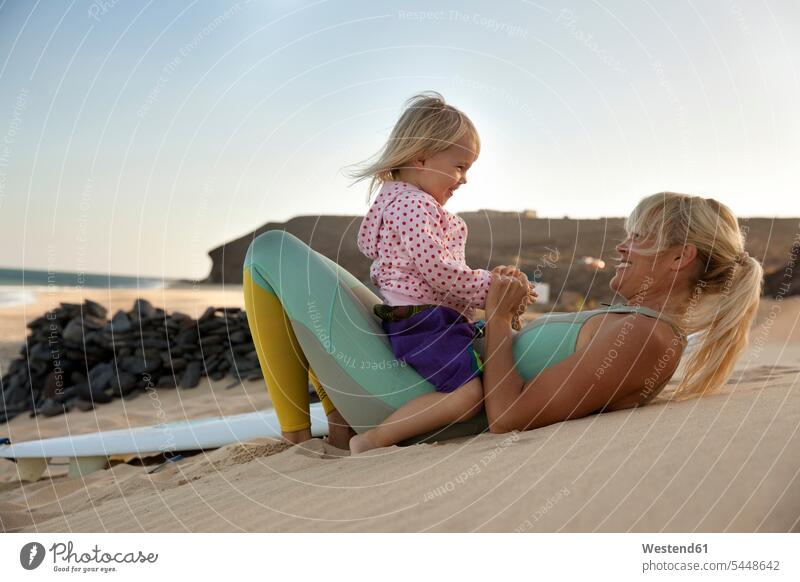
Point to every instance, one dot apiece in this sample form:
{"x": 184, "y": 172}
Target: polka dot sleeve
{"x": 422, "y": 233}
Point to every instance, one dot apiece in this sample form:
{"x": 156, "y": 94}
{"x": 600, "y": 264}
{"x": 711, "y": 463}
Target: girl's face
{"x": 443, "y": 172}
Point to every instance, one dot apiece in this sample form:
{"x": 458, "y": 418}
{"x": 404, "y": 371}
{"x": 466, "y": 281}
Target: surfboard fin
{"x": 30, "y": 469}
{"x": 80, "y": 466}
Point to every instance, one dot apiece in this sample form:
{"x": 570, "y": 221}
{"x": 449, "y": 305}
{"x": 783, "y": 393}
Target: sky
{"x": 135, "y": 136}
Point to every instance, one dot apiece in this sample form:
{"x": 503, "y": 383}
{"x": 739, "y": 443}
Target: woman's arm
{"x": 502, "y": 384}
{"x": 614, "y": 364}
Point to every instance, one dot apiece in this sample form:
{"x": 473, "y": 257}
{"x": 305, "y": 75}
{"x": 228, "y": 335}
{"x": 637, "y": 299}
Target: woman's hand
{"x": 508, "y": 294}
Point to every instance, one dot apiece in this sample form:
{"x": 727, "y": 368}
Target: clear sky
{"x": 138, "y": 135}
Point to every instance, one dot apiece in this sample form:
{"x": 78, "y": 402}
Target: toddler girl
{"x": 419, "y": 266}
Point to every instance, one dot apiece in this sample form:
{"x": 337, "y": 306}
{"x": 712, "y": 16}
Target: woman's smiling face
{"x": 639, "y": 269}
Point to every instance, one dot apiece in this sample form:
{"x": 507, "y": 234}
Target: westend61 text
{"x": 670, "y": 549}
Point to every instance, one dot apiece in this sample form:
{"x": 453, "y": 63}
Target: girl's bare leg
{"x": 423, "y": 414}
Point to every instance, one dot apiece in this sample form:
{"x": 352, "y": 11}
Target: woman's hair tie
{"x": 742, "y": 258}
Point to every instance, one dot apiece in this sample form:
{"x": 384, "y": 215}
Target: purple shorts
{"x": 437, "y": 343}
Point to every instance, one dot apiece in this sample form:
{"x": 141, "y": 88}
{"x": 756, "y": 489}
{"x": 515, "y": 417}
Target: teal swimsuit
{"x": 552, "y": 337}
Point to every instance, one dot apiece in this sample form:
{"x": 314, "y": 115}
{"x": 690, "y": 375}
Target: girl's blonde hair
{"x": 726, "y": 287}
{"x": 427, "y": 125}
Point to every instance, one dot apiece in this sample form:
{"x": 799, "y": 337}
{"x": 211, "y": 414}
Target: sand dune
{"x": 727, "y": 462}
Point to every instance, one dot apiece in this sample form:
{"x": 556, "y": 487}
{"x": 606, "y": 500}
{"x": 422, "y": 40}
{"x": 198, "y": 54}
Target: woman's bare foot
{"x": 297, "y": 437}
{"x": 362, "y": 443}
{"x": 339, "y": 432}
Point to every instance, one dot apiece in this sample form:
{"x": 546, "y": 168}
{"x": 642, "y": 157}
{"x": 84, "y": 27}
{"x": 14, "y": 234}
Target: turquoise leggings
{"x": 308, "y": 313}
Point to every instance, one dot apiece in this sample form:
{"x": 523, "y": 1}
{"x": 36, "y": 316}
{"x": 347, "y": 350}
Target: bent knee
{"x": 270, "y": 242}
{"x": 266, "y": 242}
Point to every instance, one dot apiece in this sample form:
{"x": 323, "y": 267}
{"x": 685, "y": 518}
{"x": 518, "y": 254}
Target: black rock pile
{"x": 75, "y": 357}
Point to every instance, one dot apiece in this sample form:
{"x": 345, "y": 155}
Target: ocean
{"x": 17, "y": 286}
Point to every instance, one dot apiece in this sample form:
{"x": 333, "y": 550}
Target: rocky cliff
{"x": 551, "y": 249}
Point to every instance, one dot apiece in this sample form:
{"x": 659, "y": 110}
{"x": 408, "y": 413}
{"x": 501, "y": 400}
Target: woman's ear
{"x": 684, "y": 256}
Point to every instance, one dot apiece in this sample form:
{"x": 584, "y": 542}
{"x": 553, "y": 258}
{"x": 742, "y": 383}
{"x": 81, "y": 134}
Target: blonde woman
{"x": 682, "y": 269}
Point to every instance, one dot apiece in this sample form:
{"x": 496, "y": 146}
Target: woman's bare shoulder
{"x": 643, "y": 339}
{"x": 646, "y": 347}
{"x": 625, "y": 349}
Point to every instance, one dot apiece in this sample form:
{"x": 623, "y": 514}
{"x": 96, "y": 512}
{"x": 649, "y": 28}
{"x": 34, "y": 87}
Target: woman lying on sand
{"x": 683, "y": 269}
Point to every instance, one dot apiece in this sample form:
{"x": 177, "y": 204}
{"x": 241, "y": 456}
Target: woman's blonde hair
{"x": 427, "y": 125}
{"x": 725, "y": 289}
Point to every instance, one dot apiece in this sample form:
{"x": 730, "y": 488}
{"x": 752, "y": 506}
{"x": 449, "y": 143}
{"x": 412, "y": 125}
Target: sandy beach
{"x": 727, "y": 462}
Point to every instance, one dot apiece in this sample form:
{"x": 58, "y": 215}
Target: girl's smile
{"x": 442, "y": 173}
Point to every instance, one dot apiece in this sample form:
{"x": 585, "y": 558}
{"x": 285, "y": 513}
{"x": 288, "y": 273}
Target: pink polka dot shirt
{"x": 418, "y": 251}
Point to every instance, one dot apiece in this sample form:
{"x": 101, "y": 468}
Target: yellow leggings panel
{"x": 327, "y": 405}
{"x": 283, "y": 363}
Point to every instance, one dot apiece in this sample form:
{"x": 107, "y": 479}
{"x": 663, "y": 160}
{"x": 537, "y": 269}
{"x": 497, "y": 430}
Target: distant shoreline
{"x": 16, "y": 295}
{"x": 33, "y": 278}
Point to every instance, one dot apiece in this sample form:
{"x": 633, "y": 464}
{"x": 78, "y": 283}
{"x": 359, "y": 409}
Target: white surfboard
{"x": 90, "y": 452}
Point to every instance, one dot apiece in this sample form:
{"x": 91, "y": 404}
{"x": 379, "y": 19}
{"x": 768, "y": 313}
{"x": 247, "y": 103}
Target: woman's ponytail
{"x": 724, "y": 318}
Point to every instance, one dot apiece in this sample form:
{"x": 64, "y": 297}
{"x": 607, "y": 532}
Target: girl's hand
{"x": 507, "y": 295}
{"x": 507, "y": 270}
{"x": 532, "y": 294}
